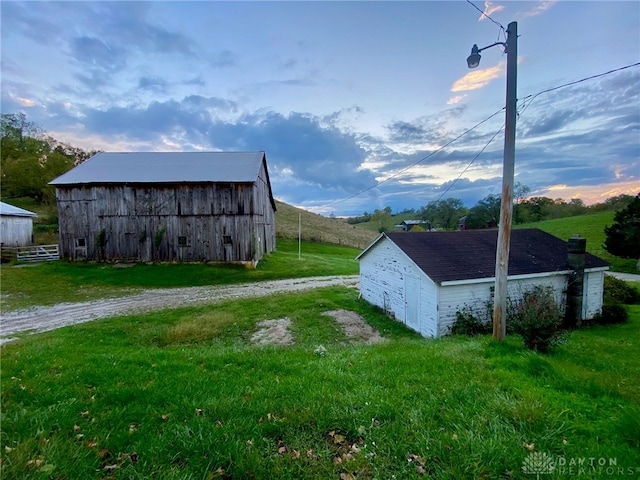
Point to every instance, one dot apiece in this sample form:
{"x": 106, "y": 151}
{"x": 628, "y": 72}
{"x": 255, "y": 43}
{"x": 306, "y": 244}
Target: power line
{"x": 471, "y": 162}
{"x": 531, "y": 98}
{"x": 415, "y": 163}
{"x": 575, "y": 82}
{"x": 485, "y": 15}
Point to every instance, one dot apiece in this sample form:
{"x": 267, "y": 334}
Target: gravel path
{"x": 42, "y": 319}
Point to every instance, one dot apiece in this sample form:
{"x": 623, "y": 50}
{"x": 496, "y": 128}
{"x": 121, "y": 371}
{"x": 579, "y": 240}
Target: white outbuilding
{"x": 16, "y": 226}
{"x": 423, "y": 279}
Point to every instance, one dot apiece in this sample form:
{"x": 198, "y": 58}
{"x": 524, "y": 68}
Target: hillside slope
{"x": 318, "y": 228}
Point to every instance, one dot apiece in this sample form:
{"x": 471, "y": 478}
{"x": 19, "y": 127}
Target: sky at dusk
{"x": 358, "y": 105}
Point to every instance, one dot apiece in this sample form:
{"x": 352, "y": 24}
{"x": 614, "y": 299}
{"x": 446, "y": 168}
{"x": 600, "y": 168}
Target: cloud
{"x": 455, "y": 100}
{"x": 591, "y": 194}
{"x": 478, "y": 78}
{"x": 307, "y": 148}
{"x": 404, "y": 132}
{"x": 539, "y": 9}
{"x": 96, "y": 55}
{"x": 155, "y": 84}
{"x": 224, "y": 58}
{"x": 489, "y": 9}
{"x": 551, "y": 122}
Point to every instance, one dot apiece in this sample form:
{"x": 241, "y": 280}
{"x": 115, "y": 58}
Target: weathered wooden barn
{"x": 423, "y": 279}
{"x": 169, "y": 206}
{"x": 16, "y": 226}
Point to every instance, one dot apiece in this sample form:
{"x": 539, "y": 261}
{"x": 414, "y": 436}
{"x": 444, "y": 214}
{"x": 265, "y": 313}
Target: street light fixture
{"x": 506, "y": 205}
{"x": 473, "y": 60}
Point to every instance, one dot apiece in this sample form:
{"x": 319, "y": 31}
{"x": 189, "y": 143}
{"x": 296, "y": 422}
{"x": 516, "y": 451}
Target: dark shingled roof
{"x": 471, "y": 254}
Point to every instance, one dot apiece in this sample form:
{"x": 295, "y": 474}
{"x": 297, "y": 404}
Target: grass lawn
{"x": 29, "y": 285}
{"x": 182, "y": 394}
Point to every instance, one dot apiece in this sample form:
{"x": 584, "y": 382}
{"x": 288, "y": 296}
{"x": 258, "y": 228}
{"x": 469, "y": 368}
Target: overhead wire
{"x": 401, "y": 171}
{"x": 486, "y": 15}
{"x": 530, "y": 97}
{"x": 470, "y": 163}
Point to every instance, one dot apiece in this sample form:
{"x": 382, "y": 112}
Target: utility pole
{"x": 506, "y": 206}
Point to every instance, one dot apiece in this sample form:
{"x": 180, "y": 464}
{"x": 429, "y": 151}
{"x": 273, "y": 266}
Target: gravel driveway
{"x": 42, "y": 319}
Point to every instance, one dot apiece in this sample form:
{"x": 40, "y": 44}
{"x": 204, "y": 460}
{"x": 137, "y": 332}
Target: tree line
{"x": 30, "y": 159}
{"x": 451, "y": 214}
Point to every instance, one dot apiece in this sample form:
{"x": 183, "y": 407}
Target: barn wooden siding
{"x": 217, "y": 222}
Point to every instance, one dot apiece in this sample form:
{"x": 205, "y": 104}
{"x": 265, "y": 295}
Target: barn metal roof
{"x": 165, "y": 167}
{"x": 13, "y": 211}
{"x": 471, "y": 254}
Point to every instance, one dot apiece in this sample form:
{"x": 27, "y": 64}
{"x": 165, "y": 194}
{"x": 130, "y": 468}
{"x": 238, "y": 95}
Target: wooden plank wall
{"x": 218, "y": 222}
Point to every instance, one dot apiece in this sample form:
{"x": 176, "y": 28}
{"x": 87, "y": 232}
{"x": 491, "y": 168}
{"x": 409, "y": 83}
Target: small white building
{"x": 16, "y": 226}
{"x": 423, "y": 279}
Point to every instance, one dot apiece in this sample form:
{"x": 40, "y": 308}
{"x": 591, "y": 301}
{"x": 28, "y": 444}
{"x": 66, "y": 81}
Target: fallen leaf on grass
{"x": 217, "y": 474}
{"x": 76, "y": 428}
{"x": 198, "y": 411}
{"x": 165, "y": 416}
{"x": 282, "y": 448}
{"x": 346, "y": 476}
{"x": 91, "y": 443}
{"x": 37, "y": 462}
{"x": 337, "y": 438}
{"x": 110, "y": 468}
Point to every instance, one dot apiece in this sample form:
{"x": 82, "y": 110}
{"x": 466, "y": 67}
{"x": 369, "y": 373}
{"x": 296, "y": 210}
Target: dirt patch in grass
{"x": 273, "y": 332}
{"x": 276, "y": 332}
{"x": 355, "y": 328}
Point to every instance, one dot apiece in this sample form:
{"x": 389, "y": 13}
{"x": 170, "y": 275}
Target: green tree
{"x": 443, "y": 213}
{"x": 484, "y": 212}
{"x": 383, "y": 219}
{"x": 623, "y": 236}
{"x": 520, "y": 193}
{"x": 30, "y": 159}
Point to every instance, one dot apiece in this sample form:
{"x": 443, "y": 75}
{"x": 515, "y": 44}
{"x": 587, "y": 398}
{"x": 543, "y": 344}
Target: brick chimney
{"x": 576, "y": 249}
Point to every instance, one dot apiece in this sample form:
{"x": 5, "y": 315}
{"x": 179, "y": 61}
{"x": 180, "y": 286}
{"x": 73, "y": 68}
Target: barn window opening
{"x": 81, "y": 242}
{"x": 226, "y": 239}
{"x": 183, "y": 241}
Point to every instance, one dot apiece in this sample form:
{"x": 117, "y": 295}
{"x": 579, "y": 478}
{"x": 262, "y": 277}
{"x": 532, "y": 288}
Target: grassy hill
{"x": 317, "y": 228}
{"x": 591, "y": 227}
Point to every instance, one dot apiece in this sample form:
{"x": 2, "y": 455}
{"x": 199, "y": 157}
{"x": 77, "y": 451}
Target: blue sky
{"x": 353, "y": 102}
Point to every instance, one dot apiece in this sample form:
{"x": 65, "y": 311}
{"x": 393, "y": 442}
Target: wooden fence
{"x": 38, "y": 253}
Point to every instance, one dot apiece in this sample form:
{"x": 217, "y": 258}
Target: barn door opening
{"x": 412, "y": 302}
